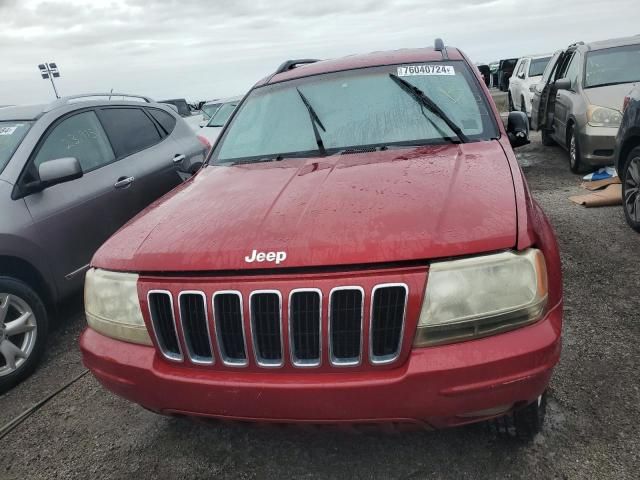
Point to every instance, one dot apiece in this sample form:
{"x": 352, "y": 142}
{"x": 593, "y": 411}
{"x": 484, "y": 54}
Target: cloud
{"x": 204, "y": 49}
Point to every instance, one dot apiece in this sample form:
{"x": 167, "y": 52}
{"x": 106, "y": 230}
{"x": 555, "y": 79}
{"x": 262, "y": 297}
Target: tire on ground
{"x": 26, "y": 293}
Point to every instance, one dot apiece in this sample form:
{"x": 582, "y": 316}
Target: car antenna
{"x": 439, "y": 47}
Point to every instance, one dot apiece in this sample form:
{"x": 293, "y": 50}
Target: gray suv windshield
{"x": 612, "y": 66}
{"x": 356, "y": 108}
{"x": 11, "y": 134}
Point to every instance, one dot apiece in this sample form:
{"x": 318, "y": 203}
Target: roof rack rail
{"x": 438, "y": 46}
{"x": 66, "y": 100}
{"x": 291, "y": 64}
{"x": 575, "y": 44}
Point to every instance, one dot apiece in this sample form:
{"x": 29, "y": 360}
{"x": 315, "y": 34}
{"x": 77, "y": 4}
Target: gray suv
{"x": 71, "y": 174}
{"x": 578, "y": 102}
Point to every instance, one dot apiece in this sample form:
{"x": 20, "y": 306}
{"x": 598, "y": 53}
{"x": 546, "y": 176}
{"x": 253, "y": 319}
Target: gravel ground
{"x": 591, "y": 429}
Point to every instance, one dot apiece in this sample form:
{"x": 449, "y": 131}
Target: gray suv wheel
{"x": 23, "y": 331}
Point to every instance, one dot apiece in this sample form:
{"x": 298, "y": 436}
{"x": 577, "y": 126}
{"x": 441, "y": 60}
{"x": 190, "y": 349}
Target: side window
{"x": 549, "y": 69}
{"x": 166, "y": 120}
{"x": 573, "y": 70}
{"x": 562, "y": 70}
{"x": 129, "y": 129}
{"x": 79, "y": 136}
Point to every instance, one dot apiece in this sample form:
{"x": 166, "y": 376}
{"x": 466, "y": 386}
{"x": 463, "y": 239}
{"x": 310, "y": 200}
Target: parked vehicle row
{"x": 71, "y": 174}
{"x": 211, "y": 129}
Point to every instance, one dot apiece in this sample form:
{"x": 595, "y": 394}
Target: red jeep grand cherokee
{"x": 361, "y": 247}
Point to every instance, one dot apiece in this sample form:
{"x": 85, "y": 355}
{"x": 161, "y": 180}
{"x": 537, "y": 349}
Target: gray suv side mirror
{"x": 518, "y": 129}
{"x": 59, "y": 170}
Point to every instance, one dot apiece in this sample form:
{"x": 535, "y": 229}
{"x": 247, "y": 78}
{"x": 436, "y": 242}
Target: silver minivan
{"x": 578, "y": 103}
{"x": 71, "y": 174}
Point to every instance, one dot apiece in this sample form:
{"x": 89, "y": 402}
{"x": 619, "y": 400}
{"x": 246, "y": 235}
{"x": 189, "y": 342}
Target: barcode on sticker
{"x": 410, "y": 70}
{"x": 7, "y": 130}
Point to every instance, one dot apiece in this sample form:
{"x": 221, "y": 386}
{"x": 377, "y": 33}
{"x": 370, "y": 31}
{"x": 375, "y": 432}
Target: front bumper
{"x": 597, "y": 145}
{"x": 436, "y": 387}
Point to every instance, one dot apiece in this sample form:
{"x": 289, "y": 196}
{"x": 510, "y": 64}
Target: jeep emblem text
{"x": 256, "y": 256}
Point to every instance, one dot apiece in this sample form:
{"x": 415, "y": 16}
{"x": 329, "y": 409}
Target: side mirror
{"x": 563, "y": 84}
{"x": 521, "y": 76}
{"x": 518, "y": 129}
{"x": 59, "y": 170}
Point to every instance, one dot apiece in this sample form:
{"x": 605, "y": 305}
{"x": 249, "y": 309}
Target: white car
{"x": 208, "y": 110}
{"x": 526, "y": 75}
{"x": 213, "y": 127}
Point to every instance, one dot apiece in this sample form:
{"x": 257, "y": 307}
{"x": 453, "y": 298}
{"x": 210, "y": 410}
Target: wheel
{"x": 546, "y": 138}
{"x": 510, "y": 100}
{"x": 23, "y": 331}
{"x": 575, "y": 162}
{"x": 522, "y": 424}
{"x": 631, "y": 189}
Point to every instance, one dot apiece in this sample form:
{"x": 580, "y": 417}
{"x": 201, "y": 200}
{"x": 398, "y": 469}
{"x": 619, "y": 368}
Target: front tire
{"x": 575, "y": 161}
{"x": 23, "y": 331}
{"x": 631, "y": 189}
{"x": 522, "y": 424}
{"x": 510, "y": 100}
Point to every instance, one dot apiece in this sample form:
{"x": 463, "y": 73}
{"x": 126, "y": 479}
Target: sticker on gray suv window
{"x": 8, "y": 130}
{"x": 410, "y": 70}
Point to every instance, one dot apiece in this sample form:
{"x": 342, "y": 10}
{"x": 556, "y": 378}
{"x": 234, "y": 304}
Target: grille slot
{"x": 388, "y": 307}
{"x": 265, "y": 308}
{"x": 305, "y": 309}
{"x": 195, "y": 326}
{"x": 164, "y": 324}
{"x": 229, "y": 321}
{"x": 345, "y": 325}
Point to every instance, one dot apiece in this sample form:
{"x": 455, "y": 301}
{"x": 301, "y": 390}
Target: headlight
{"x": 480, "y": 296}
{"x": 112, "y": 307}
{"x": 603, "y": 117}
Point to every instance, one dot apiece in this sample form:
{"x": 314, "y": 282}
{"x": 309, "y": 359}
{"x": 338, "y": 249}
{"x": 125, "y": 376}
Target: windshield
{"x": 612, "y": 66}
{"x": 11, "y": 134}
{"x": 537, "y": 66}
{"x": 222, "y": 115}
{"x": 355, "y": 109}
{"x": 211, "y": 108}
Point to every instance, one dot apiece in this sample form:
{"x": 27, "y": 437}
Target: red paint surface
{"x": 433, "y": 385}
{"x": 410, "y": 204}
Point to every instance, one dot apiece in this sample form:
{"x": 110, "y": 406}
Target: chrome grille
{"x": 305, "y": 324}
{"x": 345, "y": 325}
{"x": 164, "y": 323}
{"x": 195, "y": 326}
{"x": 229, "y": 322}
{"x": 225, "y": 335}
{"x": 266, "y": 312}
{"x": 388, "y": 307}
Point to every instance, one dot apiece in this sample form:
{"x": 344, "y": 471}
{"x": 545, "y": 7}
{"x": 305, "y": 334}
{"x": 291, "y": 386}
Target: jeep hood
{"x": 365, "y": 208}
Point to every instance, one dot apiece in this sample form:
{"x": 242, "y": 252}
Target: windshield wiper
{"x": 275, "y": 158}
{"x": 422, "y": 98}
{"x": 315, "y": 122}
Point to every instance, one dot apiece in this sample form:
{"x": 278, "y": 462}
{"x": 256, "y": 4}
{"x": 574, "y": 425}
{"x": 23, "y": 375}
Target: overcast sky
{"x": 202, "y": 49}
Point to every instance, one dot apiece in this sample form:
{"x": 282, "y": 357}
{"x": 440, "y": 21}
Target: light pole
{"x": 50, "y": 70}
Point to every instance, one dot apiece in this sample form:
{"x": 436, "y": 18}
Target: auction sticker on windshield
{"x": 410, "y": 70}
{"x": 8, "y": 130}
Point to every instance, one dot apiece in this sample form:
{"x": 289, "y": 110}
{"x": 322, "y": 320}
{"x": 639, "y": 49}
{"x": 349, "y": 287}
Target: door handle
{"x": 178, "y": 158}
{"x": 124, "y": 182}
